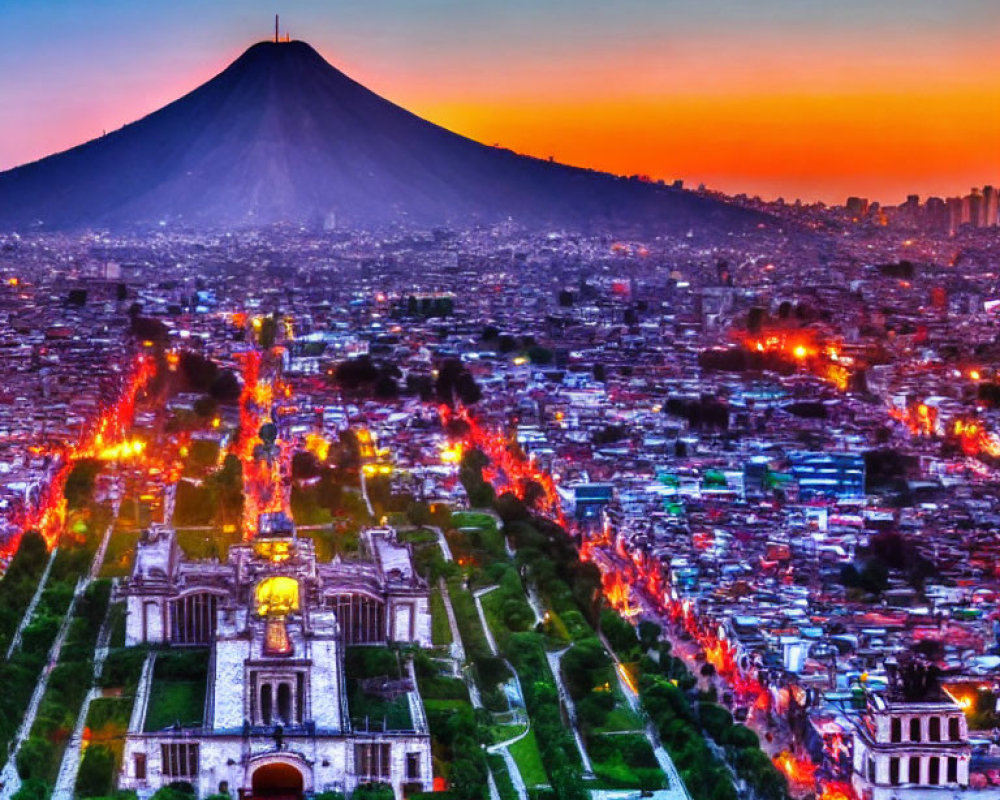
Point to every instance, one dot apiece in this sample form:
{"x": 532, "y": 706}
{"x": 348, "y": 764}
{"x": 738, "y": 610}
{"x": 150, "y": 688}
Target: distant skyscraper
{"x": 936, "y": 214}
{"x": 955, "y": 207}
{"x": 975, "y": 209}
{"x": 857, "y": 207}
{"x": 991, "y": 201}
{"x": 910, "y": 210}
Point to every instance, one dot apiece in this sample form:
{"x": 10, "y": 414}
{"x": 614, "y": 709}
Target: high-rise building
{"x": 955, "y": 209}
{"x": 857, "y": 207}
{"x": 991, "y": 206}
{"x": 974, "y": 203}
{"x": 936, "y": 214}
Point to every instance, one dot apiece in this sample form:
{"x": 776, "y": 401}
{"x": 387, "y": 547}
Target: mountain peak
{"x": 281, "y": 135}
{"x": 276, "y": 51}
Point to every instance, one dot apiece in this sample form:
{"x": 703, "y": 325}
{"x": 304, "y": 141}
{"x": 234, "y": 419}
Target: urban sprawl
{"x": 505, "y": 514}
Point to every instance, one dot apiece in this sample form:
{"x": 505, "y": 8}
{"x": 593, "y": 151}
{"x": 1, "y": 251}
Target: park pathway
{"x": 555, "y": 659}
{"x": 10, "y": 781}
{"x": 66, "y": 781}
{"x": 29, "y": 612}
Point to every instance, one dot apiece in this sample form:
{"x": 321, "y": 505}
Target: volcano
{"x": 282, "y": 136}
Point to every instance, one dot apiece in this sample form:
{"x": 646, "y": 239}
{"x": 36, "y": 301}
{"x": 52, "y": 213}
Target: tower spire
{"x": 275, "y": 28}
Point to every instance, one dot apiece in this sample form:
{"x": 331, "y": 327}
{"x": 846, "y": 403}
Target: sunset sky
{"x": 815, "y": 99}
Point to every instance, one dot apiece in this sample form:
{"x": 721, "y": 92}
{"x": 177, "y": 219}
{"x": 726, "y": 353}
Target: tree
{"x": 33, "y": 789}
{"x": 205, "y": 407}
{"x": 454, "y": 382}
{"x": 197, "y": 371}
{"x": 386, "y": 388}
{"x": 356, "y": 374}
{"x": 420, "y": 385}
{"x": 347, "y": 454}
{"x": 418, "y": 513}
{"x": 226, "y": 388}
{"x": 268, "y": 332}
{"x": 507, "y": 343}
{"x": 649, "y": 634}
{"x": 96, "y": 772}
{"x": 149, "y": 329}
{"x": 482, "y": 495}
{"x": 81, "y": 481}
{"x": 585, "y": 666}
{"x": 593, "y": 709}
{"x": 33, "y": 758}
{"x": 540, "y": 355}
{"x": 305, "y": 465}
{"x": 620, "y": 635}
{"x": 470, "y": 473}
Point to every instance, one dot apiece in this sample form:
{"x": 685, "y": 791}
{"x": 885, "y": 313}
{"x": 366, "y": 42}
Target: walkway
{"x": 169, "y": 503}
{"x": 458, "y": 654}
{"x": 536, "y": 604}
{"x": 364, "y": 495}
{"x": 477, "y": 595}
{"x": 29, "y": 612}
{"x": 137, "y": 722}
{"x": 676, "y": 790}
{"x": 10, "y": 781}
{"x": 555, "y": 659}
{"x": 66, "y": 781}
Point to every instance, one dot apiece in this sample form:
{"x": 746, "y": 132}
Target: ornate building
{"x": 912, "y": 741}
{"x": 278, "y": 719}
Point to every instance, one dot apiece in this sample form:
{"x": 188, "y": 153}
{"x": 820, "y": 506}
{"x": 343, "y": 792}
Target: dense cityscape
{"x": 668, "y": 515}
{"x": 347, "y": 456}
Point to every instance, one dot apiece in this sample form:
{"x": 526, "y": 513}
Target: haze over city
{"x": 804, "y": 100}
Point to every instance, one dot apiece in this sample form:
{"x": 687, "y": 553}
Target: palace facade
{"x": 281, "y": 716}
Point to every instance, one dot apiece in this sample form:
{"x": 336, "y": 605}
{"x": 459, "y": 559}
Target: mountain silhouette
{"x": 282, "y": 136}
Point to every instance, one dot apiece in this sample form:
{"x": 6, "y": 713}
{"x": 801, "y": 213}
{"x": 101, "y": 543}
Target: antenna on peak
{"x": 275, "y": 28}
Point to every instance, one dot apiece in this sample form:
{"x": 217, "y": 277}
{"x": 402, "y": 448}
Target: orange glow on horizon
{"x": 817, "y": 117}
{"x": 825, "y": 146}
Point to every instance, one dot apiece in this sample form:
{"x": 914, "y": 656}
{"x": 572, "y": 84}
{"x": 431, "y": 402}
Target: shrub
{"x": 33, "y": 789}
{"x": 96, "y": 773}
{"x": 33, "y": 758}
{"x": 373, "y": 791}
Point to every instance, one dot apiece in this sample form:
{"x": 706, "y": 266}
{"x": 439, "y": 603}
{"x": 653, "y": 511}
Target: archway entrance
{"x": 277, "y": 781}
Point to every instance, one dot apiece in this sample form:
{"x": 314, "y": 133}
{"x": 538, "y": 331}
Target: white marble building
{"x": 915, "y": 750}
{"x": 276, "y": 717}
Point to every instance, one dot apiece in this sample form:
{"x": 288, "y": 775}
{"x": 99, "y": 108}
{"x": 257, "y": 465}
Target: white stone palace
{"x": 277, "y": 718}
{"x": 912, "y": 741}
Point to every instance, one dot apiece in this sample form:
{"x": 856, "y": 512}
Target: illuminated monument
{"x": 279, "y": 718}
